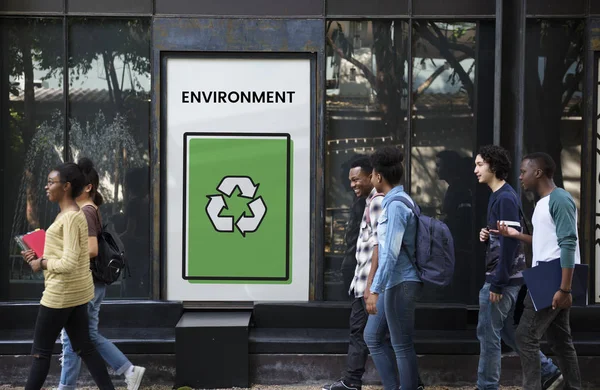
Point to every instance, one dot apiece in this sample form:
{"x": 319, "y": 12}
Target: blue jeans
{"x": 496, "y": 323}
{"x": 71, "y": 362}
{"x": 395, "y": 356}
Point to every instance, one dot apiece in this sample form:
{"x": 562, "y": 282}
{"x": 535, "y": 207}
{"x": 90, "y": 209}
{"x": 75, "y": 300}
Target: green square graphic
{"x": 237, "y": 206}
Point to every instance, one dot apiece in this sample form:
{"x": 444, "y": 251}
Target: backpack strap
{"x": 413, "y": 208}
{"x": 417, "y": 214}
{"x": 99, "y": 220}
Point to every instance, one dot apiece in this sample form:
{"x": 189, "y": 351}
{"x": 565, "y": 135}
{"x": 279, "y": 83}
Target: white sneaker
{"x": 554, "y": 383}
{"x": 134, "y": 378}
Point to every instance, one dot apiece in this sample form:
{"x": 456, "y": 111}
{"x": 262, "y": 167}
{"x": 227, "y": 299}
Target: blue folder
{"x": 544, "y": 280}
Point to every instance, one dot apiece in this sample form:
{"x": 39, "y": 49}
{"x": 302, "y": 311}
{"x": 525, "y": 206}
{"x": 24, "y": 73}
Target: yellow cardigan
{"x": 68, "y": 279}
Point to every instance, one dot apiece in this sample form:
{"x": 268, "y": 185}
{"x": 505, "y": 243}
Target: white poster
{"x": 238, "y": 178}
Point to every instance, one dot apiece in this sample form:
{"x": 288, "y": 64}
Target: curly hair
{"x": 387, "y": 161}
{"x": 497, "y": 158}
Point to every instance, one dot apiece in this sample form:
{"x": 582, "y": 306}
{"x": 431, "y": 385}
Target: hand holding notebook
{"x": 543, "y": 281}
{"x": 34, "y": 240}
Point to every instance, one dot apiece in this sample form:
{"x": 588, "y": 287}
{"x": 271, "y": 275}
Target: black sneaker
{"x": 342, "y": 385}
{"x": 554, "y": 382}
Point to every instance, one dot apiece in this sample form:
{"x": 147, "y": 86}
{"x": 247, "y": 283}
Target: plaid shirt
{"x": 367, "y": 240}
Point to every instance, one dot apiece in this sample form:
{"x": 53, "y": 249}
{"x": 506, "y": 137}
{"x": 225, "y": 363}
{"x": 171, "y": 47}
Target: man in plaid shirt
{"x": 366, "y": 258}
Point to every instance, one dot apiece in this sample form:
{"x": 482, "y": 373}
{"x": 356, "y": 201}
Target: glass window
{"x": 444, "y": 139}
{"x": 367, "y": 98}
{"x": 596, "y": 230}
{"x": 109, "y": 100}
{"x": 32, "y": 140}
{"x": 553, "y": 98}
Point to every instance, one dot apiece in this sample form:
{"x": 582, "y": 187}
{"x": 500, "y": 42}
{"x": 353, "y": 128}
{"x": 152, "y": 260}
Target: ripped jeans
{"x": 48, "y": 324}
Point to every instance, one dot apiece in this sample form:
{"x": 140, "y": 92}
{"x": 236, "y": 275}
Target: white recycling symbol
{"x": 245, "y": 223}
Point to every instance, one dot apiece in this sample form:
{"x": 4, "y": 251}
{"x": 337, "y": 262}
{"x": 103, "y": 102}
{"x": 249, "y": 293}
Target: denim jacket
{"x": 396, "y": 233}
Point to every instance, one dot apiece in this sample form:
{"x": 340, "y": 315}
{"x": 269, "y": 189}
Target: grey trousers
{"x": 555, "y": 325}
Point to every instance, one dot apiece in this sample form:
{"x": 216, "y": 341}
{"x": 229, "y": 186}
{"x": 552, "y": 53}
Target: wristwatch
{"x": 565, "y": 291}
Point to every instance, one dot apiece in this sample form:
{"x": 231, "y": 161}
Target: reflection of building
{"x": 84, "y": 100}
{"x": 433, "y": 94}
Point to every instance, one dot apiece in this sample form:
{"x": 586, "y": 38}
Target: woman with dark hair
{"x": 396, "y": 281}
{"x": 89, "y": 201}
{"x": 68, "y": 285}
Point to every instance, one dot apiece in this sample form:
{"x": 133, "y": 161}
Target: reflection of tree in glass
{"x": 454, "y": 42}
{"x": 31, "y": 44}
{"x": 113, "y": 150}
{"x": 390, "y": 47}
{"x": 389, "y": 80}
{"x": 107, "y": 40}
{"x": 111, "y": 146}
{"x": 553, "y": 74}
{"x": 44, "y": 152}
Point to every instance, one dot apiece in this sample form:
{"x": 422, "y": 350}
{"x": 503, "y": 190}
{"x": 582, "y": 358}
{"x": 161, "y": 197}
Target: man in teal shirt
{"x": 554, "y": 236}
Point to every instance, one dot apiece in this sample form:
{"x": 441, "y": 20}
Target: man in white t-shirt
{"x": 554, "y": 236}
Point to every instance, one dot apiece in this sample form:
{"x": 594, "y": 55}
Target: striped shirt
{"x": 68, "y": 279}
{"x": 367, "y": 240}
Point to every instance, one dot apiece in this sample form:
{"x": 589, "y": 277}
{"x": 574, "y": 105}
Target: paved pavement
{"x": 286, "y": 387}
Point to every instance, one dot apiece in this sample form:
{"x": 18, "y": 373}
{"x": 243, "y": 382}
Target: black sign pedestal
{"x": 211, "y": 349}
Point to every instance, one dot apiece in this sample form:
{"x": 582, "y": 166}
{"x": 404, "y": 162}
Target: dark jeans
{"x": 357, "y": 350}
{"x": 47, "y": 328}
{"x": 555, "y": 324}
{"x": 348, "y": 269}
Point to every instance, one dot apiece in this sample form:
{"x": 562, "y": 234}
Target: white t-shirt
{"x": 555, "y": 227}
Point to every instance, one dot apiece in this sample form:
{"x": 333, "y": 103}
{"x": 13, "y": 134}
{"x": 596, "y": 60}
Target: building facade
{"x": 436, "y": 78}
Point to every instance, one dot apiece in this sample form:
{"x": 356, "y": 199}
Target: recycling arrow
{"x": 245, "y": 223}
{"x": 215, "y": 205}
{"x": 249, "y": 224}
{"x": 244, "y": 183}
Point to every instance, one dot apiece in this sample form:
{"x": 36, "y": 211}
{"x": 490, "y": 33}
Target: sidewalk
{"x": 286, "y": 387}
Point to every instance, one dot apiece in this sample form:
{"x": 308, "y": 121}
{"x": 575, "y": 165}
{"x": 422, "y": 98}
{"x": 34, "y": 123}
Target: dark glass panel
{"x": 444, "y": 141}
{"x": 32, "y": 6}
{"x": 553, "y": 98}
{"x": 360, "y": 7}
{"x": 455, "y": 7}
{"x": 33, "y": 139}
{"x": 367, "y": 97}
{"x": 556, "y": 7}
{"x": 109, "y": 100}
{"x": 240, "y": 7}
{"x": 111, "y": 6}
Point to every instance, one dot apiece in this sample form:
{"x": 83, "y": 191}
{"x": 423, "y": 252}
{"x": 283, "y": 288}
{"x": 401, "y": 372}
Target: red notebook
{"x": 36, "y": 240}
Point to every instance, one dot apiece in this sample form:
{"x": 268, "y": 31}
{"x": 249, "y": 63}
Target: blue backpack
{"x": 435, "y": 248}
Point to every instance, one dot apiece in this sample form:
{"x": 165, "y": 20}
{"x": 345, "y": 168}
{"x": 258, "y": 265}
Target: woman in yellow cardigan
{"x": 68, "y": 285}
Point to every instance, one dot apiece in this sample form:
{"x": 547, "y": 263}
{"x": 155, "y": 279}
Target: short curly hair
{"x": 387, "y": 161}
{"x": 497, "y": 158}
{"x": 544, "y": 162}
{"x": 363, "y": 162}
